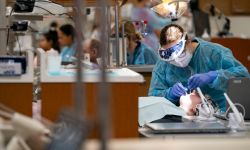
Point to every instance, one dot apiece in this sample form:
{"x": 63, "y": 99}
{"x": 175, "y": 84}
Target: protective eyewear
{"x": 173, "y": 52}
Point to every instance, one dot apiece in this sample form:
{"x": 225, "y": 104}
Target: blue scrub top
{"x": 68, "y": 53}
{"x": 207, "y": 57}
{"x": 143, "y": 55}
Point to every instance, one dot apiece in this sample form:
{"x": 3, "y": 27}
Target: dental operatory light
{"x": 173, "y": 9}
{"x": 24, "y": 6}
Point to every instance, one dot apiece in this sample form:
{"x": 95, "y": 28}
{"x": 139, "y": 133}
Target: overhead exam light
{"x": 171, "y": 8}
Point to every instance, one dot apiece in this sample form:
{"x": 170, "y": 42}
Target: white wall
{"x": 240, "y": 26}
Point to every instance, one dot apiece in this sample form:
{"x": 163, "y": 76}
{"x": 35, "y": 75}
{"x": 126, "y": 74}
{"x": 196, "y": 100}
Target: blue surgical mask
{"x": 173, "y": 52}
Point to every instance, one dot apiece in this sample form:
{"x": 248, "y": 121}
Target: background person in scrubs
{"x": 190, "y": 63}
{"x": 66, "y": 35}
{"x": 138, "y": 53}
{"x": 49, "y": 43}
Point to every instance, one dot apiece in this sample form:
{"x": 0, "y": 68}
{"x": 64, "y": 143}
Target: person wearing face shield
{"x": 187, "y": 64}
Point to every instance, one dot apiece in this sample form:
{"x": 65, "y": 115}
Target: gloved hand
{"x": 199, "y": 80}
{"x": 177, "y": 91}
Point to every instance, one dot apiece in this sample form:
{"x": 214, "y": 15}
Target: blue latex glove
{"x": 177, "y": 91}
{"x": 199, "y": 80}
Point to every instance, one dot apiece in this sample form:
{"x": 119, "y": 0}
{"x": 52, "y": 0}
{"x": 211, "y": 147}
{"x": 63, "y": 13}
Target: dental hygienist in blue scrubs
{"x": 137, "y": 52}
{"x": 66, "y": 35}
{"x": 187, "y": 64}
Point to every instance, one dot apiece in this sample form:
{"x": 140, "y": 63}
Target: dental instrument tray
{"x": 188, "y": 127}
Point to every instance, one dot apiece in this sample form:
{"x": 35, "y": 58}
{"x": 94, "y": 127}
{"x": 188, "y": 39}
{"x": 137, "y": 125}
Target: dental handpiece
{"x": 203, "y": 100}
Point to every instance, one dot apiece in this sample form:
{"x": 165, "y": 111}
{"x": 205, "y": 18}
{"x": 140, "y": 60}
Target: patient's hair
{"x": 96, "y": 45}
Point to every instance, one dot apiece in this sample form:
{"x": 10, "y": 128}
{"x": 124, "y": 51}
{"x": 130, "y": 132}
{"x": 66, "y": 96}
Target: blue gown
{"x": 68, "y": 53}
{"x": 143, "y": 55}
{"x": 207, "y": 57}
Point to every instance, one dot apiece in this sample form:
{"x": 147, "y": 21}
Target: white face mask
{"x": 182, "y": 61}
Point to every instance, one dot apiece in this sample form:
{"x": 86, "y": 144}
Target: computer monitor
{"x": 238, "y": 91}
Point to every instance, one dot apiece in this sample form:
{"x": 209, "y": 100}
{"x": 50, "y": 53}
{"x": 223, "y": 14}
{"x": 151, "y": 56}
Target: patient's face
{"x": 188, "y": 103}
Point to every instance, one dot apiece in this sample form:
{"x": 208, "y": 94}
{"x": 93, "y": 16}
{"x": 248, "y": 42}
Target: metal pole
{"x": 110, "y": 59}
{"x": 80, "y": 102}
{"x": 117, "y": 33}
{"x": 103, "y": 87}
{"x": 3, "y": 38}
{"x": 123, "y": 42}
{"x": 72, "y": 136}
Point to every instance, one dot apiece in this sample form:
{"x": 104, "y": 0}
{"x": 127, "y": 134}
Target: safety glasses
{"x": 173, "y": 52}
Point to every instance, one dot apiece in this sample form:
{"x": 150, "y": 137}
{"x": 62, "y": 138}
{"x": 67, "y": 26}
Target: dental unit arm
{"x": 204, "y": 102}
{"x": 236, "y": 120}
{"x": 25, "y": 128}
